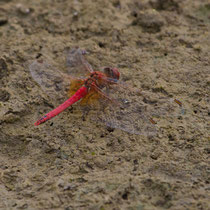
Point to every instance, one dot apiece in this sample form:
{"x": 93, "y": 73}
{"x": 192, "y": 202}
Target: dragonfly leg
{"x": 103, "y": 94}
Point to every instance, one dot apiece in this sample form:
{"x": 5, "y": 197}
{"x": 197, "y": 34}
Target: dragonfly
{"x": 111, "y": 101}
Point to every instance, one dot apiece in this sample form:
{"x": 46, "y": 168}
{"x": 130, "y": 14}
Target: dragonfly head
{"x": 112, "y": 73}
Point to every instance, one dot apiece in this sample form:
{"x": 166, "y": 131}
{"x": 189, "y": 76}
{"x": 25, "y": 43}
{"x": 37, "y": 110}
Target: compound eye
{"x": 112, "y": 72}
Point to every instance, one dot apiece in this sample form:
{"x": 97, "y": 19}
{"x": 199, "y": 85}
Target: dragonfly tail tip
{"x": 36, "y": 123}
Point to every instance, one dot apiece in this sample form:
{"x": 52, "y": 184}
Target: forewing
{"x": 77, "y": 65}
{"x": 133, "y": 111}
{"x": 129, "y": 114}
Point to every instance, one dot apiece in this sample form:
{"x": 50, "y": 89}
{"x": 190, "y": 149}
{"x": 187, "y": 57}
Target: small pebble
{"x": 22, "y": 9}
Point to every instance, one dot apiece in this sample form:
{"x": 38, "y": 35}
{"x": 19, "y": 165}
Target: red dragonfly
{"x": 116, "y": 104}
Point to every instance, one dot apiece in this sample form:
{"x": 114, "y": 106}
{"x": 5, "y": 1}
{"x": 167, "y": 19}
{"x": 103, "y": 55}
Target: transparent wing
{"x": 131, "y": 111}
{"x": 51, "y": 80}
{"x": 77, "y": 66}
{"x": 128, "y": 113}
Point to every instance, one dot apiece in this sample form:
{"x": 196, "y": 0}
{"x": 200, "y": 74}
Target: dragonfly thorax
{"x": 95, "y": 79}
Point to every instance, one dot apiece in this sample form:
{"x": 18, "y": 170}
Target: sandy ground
{"x": 161, "y": 46}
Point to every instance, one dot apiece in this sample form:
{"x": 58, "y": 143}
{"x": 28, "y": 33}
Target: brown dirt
{"x": 160, "y": 45}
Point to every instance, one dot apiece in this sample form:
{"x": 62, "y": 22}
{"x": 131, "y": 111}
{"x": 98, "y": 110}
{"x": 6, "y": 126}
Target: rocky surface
{"x": 161, "y": 46}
